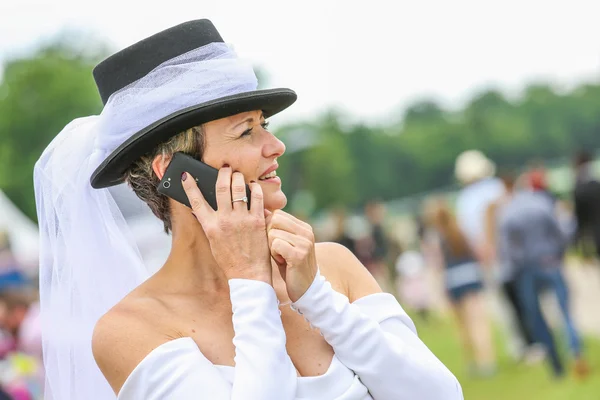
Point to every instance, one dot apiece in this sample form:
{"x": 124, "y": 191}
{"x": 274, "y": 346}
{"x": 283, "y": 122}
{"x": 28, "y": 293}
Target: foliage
{"x": 418, "y": 155}
{"x": 39, "y": 95}
{"x": 340, "y": 162}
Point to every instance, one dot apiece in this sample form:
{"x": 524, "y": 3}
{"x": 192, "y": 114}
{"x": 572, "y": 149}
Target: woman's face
{"x": 243, "y": 142}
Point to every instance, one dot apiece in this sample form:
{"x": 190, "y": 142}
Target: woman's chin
{"x": 275, "y": 201}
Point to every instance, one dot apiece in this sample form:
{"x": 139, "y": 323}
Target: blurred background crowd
{"x": 482, "y": 216}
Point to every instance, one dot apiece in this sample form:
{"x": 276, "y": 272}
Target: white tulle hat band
{"x": 201, "y": 75}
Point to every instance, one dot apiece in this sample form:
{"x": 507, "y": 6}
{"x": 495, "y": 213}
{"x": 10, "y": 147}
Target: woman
{"x": 464, "y": 286}
{"x": 246, "y": 306}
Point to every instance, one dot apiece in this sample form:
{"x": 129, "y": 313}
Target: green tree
{"x": 417, "y": 155}
{"x": 347, "y": 163}
{"x": 39, "y": 95}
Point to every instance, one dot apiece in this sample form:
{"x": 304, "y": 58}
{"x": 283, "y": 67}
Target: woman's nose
{"x": 274, "y": 147}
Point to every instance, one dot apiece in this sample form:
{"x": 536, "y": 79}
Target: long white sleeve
{"x": 263, "y": 369}
{"x": 178, "y": 370}
{"x": 376, "y": 339}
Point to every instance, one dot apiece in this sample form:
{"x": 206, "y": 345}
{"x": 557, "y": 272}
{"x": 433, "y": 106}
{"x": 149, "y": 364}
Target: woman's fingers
{"x": 282, "y": 249}
{"x": 197, "y": 201}
{"x": 257, "y": 207}
{"x": 238, "y": 191}
{"x": 297, "y": 221}
{"x": 284, "y": 221}
{"x": 283, "y": 235}
{"x": 298, "y": 249}
{"x": 223, "y": 189}
{"x": 267, "y": 216}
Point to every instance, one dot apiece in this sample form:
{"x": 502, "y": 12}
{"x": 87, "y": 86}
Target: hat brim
{"x": 112, "y": 170}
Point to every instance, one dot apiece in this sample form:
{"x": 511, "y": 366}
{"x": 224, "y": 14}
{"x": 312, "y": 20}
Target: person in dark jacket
{"x": 587, "y": 202}
{"x": 533, "y": 243}
{"x": 378, "y": 245}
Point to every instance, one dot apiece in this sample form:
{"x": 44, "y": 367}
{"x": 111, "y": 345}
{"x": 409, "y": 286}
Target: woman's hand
{"x": 292, "y": 244}
{"x": 237, "y": 236}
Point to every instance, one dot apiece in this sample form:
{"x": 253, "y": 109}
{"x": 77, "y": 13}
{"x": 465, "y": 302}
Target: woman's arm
{"x": 490, "y": 233}
{"x": 373, "y": 336}
{"x": 385, "y": 353}
{"x": 263, "y": 369}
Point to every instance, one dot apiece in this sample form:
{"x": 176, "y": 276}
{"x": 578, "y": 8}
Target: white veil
{"x": 88, "y": 258}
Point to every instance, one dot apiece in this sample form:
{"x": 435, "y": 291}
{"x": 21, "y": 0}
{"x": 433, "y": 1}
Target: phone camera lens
{"x": 166, "y": 184}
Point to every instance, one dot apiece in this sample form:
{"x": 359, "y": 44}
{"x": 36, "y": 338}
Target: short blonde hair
{"x": 142, "y": 179}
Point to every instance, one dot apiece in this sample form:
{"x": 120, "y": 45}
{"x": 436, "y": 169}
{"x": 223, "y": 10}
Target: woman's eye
{"x": 247, "y": 132}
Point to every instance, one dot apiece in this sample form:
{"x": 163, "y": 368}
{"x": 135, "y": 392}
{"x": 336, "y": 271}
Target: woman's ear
{"x": 160, "y": 164}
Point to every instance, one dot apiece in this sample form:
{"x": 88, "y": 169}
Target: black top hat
{"x": 136, "y": 61}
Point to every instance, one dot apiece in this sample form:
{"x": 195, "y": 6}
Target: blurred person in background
{"x": 480, "y": 188}
{"x": 531, "y": 240}
{"x": 20, "y": 318}
{"x": 341, "y": 232}
{"x": 464, "y": 286}
{"x": 586, "y": 197}
{"x": 411, "y": 282}
{"x": 16, "y": 297}
{"x": 536, "y": 179}
{"x": 521, "y": 343}
{"x": 20, "y": 305}
{"x": 378, "y": 253}
{"x": 22, "y": 372}
{"x": 428, "y": 238}
{"x": 565, "y": 213}
{"x": 16, "y": 303}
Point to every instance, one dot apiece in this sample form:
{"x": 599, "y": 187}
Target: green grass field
{"x": 513, "y": 381}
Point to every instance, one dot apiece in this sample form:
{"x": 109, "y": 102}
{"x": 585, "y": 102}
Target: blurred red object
{"x": 537, "y": 179}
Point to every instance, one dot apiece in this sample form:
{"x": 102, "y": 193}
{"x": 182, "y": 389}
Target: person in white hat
{"x": 477, "y": 205}
{"x": 476, "y": 172}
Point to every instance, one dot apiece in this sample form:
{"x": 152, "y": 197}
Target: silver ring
{"x": 244, "y": 199}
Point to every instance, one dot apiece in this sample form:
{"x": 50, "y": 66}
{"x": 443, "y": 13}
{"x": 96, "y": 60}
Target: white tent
{"x": 23, "y": 234}
{"x": 154, "y": 244}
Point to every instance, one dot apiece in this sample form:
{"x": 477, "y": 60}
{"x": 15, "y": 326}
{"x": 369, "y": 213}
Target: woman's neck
{"x": 191, "y": 266}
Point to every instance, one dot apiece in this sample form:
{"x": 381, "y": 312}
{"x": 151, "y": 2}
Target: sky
{"x": 370, "y": 59}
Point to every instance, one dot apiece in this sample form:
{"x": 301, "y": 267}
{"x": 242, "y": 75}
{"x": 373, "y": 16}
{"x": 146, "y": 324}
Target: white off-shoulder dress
{"x": 378, "y": 354}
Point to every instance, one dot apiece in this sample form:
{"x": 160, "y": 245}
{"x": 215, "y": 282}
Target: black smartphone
{"x": 205, "y": 175}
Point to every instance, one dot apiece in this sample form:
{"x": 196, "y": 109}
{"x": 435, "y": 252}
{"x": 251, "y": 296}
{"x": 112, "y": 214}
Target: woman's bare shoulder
{"x": 345, "y": 272}
{"x": 125, "y": 335}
